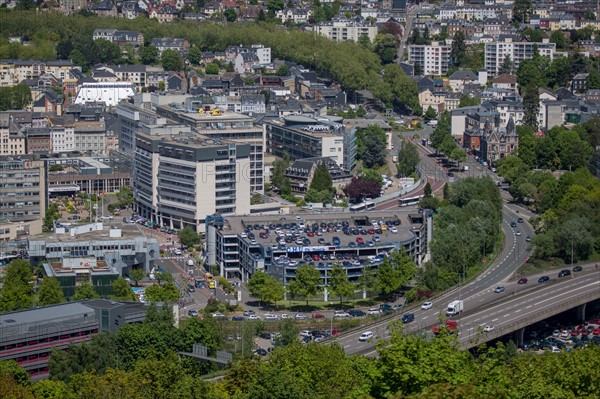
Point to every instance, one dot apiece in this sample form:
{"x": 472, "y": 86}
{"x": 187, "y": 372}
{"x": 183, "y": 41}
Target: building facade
{"x": 180, "y": 179}
{"x": 496, "y": 53}
{"x": 305, "y": 137}
{"x": 22, "y": 196}
{"x": 432, "y": 59}
{"x": 343, "y": 30}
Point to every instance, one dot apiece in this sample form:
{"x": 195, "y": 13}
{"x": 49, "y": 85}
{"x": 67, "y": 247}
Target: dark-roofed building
{"x": 170, "y": 43}
{"x": 302, "y": 171}
{"x": 252, "y": 103}
{"x": 505, "y": 81}
{"x": 29, "y": 336}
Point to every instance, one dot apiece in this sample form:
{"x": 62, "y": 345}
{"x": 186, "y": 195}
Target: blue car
{"x": 543, "y": 279}
{"x": 408, "y": 317}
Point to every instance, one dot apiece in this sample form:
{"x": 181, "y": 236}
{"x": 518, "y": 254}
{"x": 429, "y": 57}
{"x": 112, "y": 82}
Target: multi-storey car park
{"x": 242, "y": 245}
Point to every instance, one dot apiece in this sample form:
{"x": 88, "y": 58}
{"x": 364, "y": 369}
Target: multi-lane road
{"x": 507, "y": 312}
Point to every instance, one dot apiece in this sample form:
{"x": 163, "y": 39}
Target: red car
{"x": 316, "y": 258}
{"x": 371, "y": 231}
{"x": 310, "y": 234}
{"x": 522, "y": 281}
{"x": 335, "y": 332}
{"x": 597, "y": 331}
{"x": 318, "y": 316}
{"x": 359, "y": 239}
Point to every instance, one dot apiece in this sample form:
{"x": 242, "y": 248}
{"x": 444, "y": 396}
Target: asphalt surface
{"x": 516, "y": 307}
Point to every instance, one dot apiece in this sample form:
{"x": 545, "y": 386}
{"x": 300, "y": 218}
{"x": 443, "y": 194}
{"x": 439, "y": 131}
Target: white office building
{"x": 433, "y": 59}
{"x": 496, "y": 53}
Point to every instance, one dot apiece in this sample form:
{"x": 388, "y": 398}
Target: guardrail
{"x": 531, "y": 319}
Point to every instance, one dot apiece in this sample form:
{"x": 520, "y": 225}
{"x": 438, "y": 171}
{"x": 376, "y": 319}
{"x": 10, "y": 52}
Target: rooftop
{"x": 128, "y": 231}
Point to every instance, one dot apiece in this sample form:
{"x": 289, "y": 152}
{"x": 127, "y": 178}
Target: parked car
{"x": 374, "y": 311}
{"x": 249, "y": 312}
{"x": 218, "y": 315}
{"x": 341, "y": 313}
{"x": 237, "y": 317}
{"x": 367, "y": 335}
{"x": 193, "y": 313}
{"x": 253, "y": 317}
{"x": 301, "y": 316}
{"x": 270, "y": 316}
{"x": 318, "y": 316}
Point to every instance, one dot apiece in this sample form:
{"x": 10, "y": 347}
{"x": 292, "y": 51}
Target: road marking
{"x": 492, "y": 320}
{"x": 517, "y": 311}
{"x": 528, "y": 307}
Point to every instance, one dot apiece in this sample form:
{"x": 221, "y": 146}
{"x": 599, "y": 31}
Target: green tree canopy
{"x": 339, "y": 284}
{"x": 50, "y": 292}
{"x": 149, "y": 55}
{"x": 85, "y": 291}
{"x": 408, "y": 159}
{"x": 194, "y": 55}
{"x": 171, "y": 60}
{"x": 188, "y": 237}
{"x": 306, "y": 283}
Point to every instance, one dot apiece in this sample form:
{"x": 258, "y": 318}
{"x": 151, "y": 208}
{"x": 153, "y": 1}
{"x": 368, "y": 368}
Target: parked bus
{"x": 410, "y": 200}
{"x": 363, "y": 206}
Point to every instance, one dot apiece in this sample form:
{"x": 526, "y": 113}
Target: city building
{"x": 301, "y": 137}
{"x": 496, "y": 53}
{"x": 131, "y": 119}
{"x": 109, "y": 93}
{"x": 180, "y": 179}
{"x": 217, "y": 124}
{"x": 87, "y": 175}
{"x": 493, "y": 141}
{"x": 22, "y": 196}
{"x": 302, "y": 171}
{"x": 122, "y": 246}
{"x": 119, "y": 37}
{"x": 433, "y": 59}
{"x": 12, "y": 139}
{"x": 13, "y": 72}
{"x": 29, "y": 336}
{"x": 343, "y": 29}
{"x": 245, "y": 244}
{"x": 170, "y": 43}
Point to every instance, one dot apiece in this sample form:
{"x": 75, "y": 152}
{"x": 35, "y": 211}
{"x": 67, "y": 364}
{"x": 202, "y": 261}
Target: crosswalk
{"x": 174, "y": 257}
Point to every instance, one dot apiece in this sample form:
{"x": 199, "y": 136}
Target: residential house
{"x": 459, "y": 78}
{"x": 344, "y": 29}
{"x": 505, "y": 81}
{"x": 104, "y": 8}
{"x": 296, "y": 15}
{"x": 452, "y": 101}
{"x": 170, "y": 43}
{"x": 434, "y": 99}
{"x": 579, "y": 82}
{"x": 120, "y": 37}
{"x": 252, "y": 103}
{"x": 498, "y": 142}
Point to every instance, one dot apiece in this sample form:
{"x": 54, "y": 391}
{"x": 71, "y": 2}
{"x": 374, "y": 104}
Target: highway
{"x": 517, "y": 307}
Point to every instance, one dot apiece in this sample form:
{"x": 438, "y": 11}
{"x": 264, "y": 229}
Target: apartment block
{"x": 22, "y": 196}
{"x": 496, "y": 53}
{"x": 344, "y": 29}
{"x": 433, "y": 59}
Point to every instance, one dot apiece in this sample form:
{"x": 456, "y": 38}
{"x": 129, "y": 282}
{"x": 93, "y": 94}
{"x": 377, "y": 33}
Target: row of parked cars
{"x": 555, "y": 337}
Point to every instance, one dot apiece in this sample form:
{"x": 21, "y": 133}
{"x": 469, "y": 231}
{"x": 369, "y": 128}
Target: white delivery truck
{"x": 454, "y": 308}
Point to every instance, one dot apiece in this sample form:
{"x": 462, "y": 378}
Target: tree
{"x": 195, "y": 55}
{"x": 283, "y": 70}
{"x": 278, "y": 175}
{"x": 404, "y": 90}
{"x": 371, "y": 144}
{"x": 230, "y": 15}
{"x": 84, "y": 291}
{"x": 359, "y": 188}
{"x": 212, "y": 69}
{"x": 306, "y": 283}
{"x": 289, "y": 332}
{"x": 430, "y": 114}
{"x": 522, "y": 10}
{"x": 364, "y": 41}
{"x": 121, "y": 289}
{"x": 427, "y": 190}
{"x": 171, "y": 60}
{"x": 446, "y": 191}
{"x": 408, "y": 158}
{"x": 388, "y": 278}
{"x": 506, "y": 66}
{"x": 16, "y": 289}
{"x": 15, "y": 97}
{"x": 441, "y": 131}
{"x": 339, "y": 284}
{"x": 322, "y": 180}
{"x": 50, "y": 292}
{"x": 149, "y": 55}
{"x": 163, "y": 293}
{"x": 459, "y": 155}
{"x": 531, "y": 105}
{"x": 468, "y": 101}
{"x": 386, "y": 46}
{"x": 559, "y": 38}
{"x": 161, "y": 86}
{"x": 188, "y": 237}
{"x": 105, "y": 51}
{"x": 459, "y": 49}
{"x": 137, "y": 275}
{"x": 266, "y": 287}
